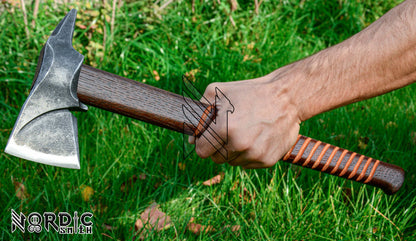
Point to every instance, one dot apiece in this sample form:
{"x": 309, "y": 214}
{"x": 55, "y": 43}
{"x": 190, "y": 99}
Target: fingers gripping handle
{"x": 336, "y": 161}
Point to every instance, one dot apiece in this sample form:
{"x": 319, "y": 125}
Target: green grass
{"x": 287, "y": 202}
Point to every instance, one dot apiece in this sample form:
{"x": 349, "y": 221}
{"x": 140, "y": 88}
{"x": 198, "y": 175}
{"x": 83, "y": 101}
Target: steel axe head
{"x": 46, "y": 130}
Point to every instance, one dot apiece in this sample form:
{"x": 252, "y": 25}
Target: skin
{"x": 266, "y": 118}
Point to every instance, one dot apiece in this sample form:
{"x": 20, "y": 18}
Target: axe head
{"x": 46, "y": 130}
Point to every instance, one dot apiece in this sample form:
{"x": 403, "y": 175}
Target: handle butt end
{"x": 388, "y": 177}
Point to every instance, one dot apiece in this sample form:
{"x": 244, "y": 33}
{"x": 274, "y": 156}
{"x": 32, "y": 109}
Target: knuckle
{"x": 210, "y": 90}
{"x": 255, "y": 154}
{"x": 201, "y": 152}
{"x": 240, "y": 144}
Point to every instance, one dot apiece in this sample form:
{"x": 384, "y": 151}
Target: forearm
{"x": 265, "y": 122}
{"x": 379, "y": 59}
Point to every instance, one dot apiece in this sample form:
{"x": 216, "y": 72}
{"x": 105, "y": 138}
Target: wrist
{"x": 282, "y": 86}
{"x": 307, "y": 84}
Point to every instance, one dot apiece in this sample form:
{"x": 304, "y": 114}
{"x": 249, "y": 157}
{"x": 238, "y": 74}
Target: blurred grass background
{"x": 126, "y": 165}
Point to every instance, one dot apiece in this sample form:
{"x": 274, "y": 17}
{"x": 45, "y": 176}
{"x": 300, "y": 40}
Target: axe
{"x": 46, "y": 130}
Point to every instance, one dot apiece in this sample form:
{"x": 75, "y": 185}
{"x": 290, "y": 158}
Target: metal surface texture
{"x": 46, "y": 130}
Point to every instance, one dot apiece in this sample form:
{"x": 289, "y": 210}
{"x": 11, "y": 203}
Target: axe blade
{"x": 50, "y": 139}
{"x": 45, "y": 130}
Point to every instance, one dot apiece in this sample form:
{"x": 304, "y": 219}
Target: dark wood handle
{"x": 140, "y": 101}
{"x": 150, "y": 104}
{"x": 336, "y": 161}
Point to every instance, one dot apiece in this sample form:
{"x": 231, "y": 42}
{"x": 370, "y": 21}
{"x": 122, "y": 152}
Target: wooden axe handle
{"x": 336, "y": 161}
{"x": 140, "y": 101}
{"x": 156, "y": 106}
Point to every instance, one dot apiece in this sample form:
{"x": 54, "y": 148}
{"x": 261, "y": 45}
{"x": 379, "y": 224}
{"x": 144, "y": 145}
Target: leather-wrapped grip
{"x": 336, "y": 161}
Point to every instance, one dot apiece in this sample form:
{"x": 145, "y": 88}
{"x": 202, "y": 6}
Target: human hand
{"x": 268, "y": 110}
{"x": 262, "y": 127}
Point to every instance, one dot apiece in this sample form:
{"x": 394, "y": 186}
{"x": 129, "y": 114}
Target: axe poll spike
{"x": 46, "y": 130}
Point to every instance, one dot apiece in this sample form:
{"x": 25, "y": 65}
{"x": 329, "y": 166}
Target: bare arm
{"x": 377, "y": 60}
{"x": 265, "y": 123}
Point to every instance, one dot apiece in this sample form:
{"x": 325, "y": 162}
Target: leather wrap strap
{"x": 336, "y": 161}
